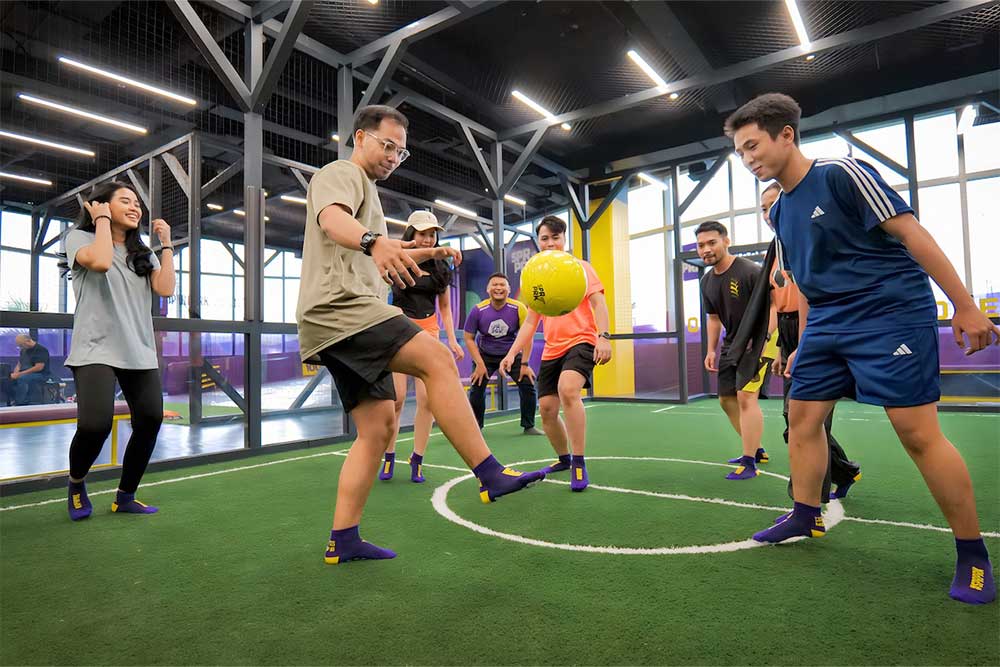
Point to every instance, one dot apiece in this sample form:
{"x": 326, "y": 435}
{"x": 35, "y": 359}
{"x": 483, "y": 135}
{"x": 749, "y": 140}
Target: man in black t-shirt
{"x": 726, "y": 290}
{"x": 32, "y": 369}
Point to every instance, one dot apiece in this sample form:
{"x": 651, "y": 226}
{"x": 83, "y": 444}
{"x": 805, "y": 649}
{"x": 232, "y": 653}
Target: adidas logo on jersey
{"x": 817, "y": 212}
{"x": 901, "y": 351}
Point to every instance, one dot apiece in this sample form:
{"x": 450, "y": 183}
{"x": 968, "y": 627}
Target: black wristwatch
{"x": 605, "y": 335}
{"x": 367, "y": 241}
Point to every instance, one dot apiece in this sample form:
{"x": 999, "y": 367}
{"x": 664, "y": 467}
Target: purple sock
{"x": 748, "y": 461}
{"x": 347, "y": 536}
{"x": 803, "y": 511}
{"x": 489, "y": 468}
{"x": 79, "y": 503}
{"x": 416, "y": 468}
{"x": 566, "y": 458}
{"x": 346, "y": 545}
{"x": 578, "y": 461}
{"x": 385, "y": 470}
{"x": 125, "y": 503}
{"x": 973, "y": 582}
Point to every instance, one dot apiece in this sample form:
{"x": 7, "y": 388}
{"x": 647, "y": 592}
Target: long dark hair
{"x": 439, "y": 270}
{"x": 138, "y": 258}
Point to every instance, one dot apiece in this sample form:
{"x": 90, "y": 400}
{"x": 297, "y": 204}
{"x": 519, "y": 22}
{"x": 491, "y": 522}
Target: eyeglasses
{"x": 391, "y": 148}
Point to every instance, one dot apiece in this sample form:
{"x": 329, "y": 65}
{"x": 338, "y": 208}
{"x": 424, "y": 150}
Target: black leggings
{"x": 95, "y": 399}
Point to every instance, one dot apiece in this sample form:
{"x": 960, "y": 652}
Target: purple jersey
{"x": 495, "y": 330}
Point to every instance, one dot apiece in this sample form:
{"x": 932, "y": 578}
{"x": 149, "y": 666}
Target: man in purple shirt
{"x": 497, "y": 320}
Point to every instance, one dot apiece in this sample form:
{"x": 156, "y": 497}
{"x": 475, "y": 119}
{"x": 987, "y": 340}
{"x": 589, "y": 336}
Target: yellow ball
{"x": 553, "y": 283}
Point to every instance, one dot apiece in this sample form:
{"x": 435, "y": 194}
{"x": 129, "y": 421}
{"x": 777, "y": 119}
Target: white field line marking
{"x": 439, "y": 500}
{"x": 669, "y": 407}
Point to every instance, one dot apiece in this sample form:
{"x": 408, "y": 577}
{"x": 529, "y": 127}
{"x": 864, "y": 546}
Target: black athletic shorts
{"x": 727, "y": 379}
{"x": 359, "y": 364}
{"x": 579, "y": 358}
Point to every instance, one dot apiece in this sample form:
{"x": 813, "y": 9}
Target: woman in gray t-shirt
{"x": 114, "y": 276}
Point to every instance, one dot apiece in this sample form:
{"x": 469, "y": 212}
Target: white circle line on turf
{"x": 439, "y": 500}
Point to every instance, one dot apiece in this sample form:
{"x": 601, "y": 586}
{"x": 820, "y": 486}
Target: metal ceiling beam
{"x": 671, "y": 36}
{"x": 272, "y": 28}
{"x": 109, "y": 175}
{"x": 140, "y": 186}
{"x": 522, "y": 161}
{"x": 220, "y": 178}
{"x": 483, "y": 169}
{"x": 418, "y": 30}
{"x": 390, "y": 61}
{"x": 265, "y": 10}
{"x": 281, "y": 51}
{"x": 177, "y": 171}
{"x": 869, "y": 33}
{"x": 217, "y": 60}
{"x": 863, "y": 112}
{"x": 849, "y": 137}
{"x": 574, "y": 200}
{"x": 721, "y": 159}
{"x": 605, "y": 204}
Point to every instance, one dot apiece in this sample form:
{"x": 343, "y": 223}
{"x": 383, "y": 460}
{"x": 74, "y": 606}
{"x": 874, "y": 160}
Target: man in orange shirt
{"x": 573, "y": 347}
{"x": 785, "y": 299}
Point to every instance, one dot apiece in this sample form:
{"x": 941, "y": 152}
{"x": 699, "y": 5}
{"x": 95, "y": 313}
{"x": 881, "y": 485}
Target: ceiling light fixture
{"x": 27, "y": 179}
{"x": 336, "y": 137}
{"x": 650, "y": 72}
{"x": 515, "y": 200}
{"x": 811, "y": 57}
{"x": 80, "y": 112}
{"x": 43, "y": 142}
{"x": 518, "y": 95}
{"x": 242, "y": 214}
{"x": 394, "y": 221}
{"x": 294, "y": 200}
{"x": 127, "y": 81}
{"x": 214, "y": 207}
{"x": 800, "y": 27}
{"x": 457, "y": 209}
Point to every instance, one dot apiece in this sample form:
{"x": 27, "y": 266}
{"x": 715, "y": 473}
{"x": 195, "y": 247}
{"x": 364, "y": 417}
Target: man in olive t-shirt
{"x": 346, "y": 324}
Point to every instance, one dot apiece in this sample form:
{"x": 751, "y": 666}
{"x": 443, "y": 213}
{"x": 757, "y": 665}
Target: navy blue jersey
{"x": 855, "y": 275}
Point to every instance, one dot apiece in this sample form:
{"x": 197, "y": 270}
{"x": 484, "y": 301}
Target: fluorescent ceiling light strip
{"x": 456, "y": 209}
{"x": 800, "y": 27}
{"x": 336, "y": 137}
{"x": 80, "y": 112}
{"x": 394, "y": 221}
{"x": 537, "y": 107}
{"x": 131, "y": 82}
{"x": 43, "y": 142}
{"x": 515, "y": 200}
{"x": 294, "y": 200}
{"x": 28, "y": 179}
{"x": 240, "y": 212}
{"x": 214, "y": 207}
{"x": 650, "y": 72}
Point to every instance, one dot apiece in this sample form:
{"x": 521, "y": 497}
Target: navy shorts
{"x": 894, "y": 369}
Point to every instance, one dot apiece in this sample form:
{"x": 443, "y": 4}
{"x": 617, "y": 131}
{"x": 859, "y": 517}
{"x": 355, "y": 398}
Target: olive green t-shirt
{"x": 341, "y": 292}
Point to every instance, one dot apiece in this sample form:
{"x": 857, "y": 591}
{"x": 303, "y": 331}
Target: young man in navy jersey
{"x": 861, "y": 261}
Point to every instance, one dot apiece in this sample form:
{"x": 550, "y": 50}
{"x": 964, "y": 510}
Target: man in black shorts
{"x": 726, "y": 290}
{"x": 574, "y": 344}
{"x": 346, "y": 324}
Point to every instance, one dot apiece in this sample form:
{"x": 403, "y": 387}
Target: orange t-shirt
{"x": 562, "y": 333}
{"x": 785, "y": 292}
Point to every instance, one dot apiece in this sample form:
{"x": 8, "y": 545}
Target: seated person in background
{"x": 31, "y": 371}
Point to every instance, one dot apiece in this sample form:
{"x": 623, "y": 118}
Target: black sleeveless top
{"x": 420, "y": 301}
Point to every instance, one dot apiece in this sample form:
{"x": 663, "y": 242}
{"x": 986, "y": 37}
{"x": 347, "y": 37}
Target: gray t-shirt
{"x": 113, "y": 323}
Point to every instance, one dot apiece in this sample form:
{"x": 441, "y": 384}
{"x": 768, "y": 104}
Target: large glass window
{"x": 981, "y": 145}
{"x": 984, "y": 235}
{"x": 937, "y": 146}
{"x": 649, "y": 287}
{"x": 645, "y": 209}
{"x": 713, "y": 200}
{"x": 941, "y": 215}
